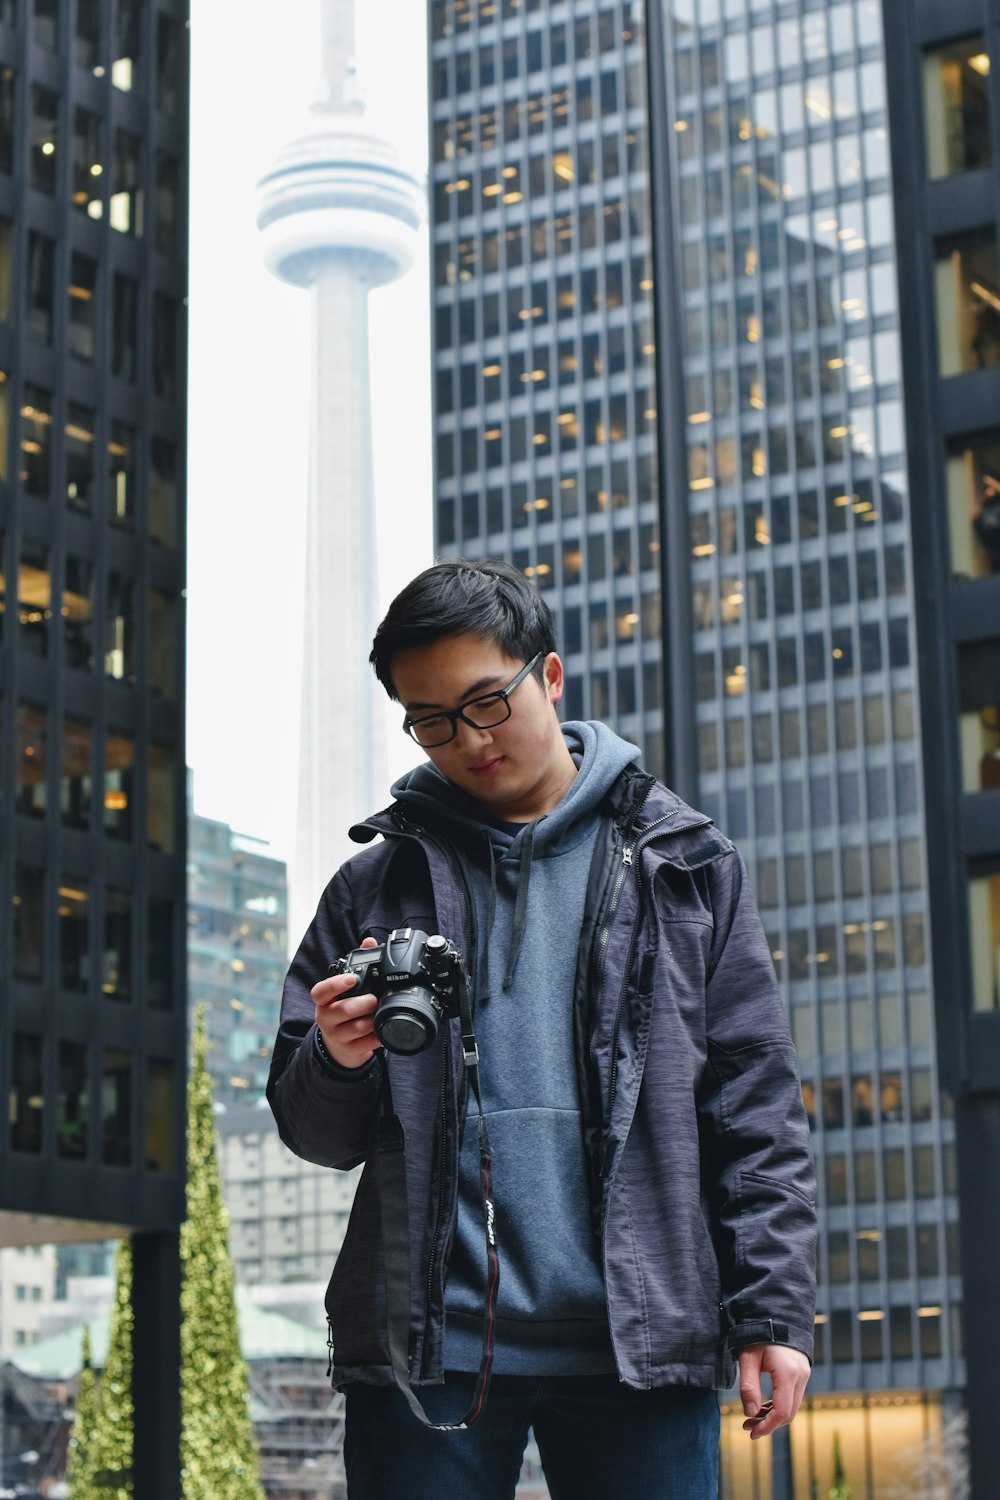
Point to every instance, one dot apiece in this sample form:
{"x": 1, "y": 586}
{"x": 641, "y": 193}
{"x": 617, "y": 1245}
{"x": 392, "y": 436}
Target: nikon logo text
{"x": 489, "y": 1222}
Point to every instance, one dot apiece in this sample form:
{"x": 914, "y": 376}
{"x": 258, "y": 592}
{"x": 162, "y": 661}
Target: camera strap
{"x": 391, "y": 1144}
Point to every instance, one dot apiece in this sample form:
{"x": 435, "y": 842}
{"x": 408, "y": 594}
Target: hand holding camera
{"x": 346, "y": 1020}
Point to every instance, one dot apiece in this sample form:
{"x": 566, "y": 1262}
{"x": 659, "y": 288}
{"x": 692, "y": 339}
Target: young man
{"x": 647, "y": 1163}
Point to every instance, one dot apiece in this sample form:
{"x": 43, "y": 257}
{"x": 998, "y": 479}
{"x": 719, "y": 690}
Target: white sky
{"x": 254, "y": 71}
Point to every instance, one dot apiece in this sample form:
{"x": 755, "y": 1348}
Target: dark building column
{"x": 781, "y": 1465}
{"x": 156, "y": 1377}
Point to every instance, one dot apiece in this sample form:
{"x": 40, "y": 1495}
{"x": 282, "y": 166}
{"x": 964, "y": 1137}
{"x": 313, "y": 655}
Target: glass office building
{"x": 93, "y": 277}
{"x": 669, "y": 387}
{"x": 237, "y": 953}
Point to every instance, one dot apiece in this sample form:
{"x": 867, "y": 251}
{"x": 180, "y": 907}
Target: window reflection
{"x": 957, "y": 106}
{"x": 40, "y": 289}
{"x": 120, "y": 627}
{"x": 87, "y": 42}
{"x": 126, "y": 44}
{"x": 161, "y": 810}
{"x": 967, "y": 285}
{"x": 163, "y": 492}
{"x": 160, "y": 947}
{"x": 984, "y": 941}
{"x": 78, "y": 613}
{"x": 973, "y": 481}
{"x": 116, "y": 945}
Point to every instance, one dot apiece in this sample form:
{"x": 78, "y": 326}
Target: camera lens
{"x": 407, "y": 1021}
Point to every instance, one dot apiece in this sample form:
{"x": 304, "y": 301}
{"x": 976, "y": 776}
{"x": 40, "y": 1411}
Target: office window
{"x": 161, "y": 808}
{"x": 34, "y": 597}
{"x": 119, "y": 785}
{"x": 116, "y": 960}
{"x": 120, "y": 627}
{"x": 79, "y": 448}
{"x": 979, "y": 707}
{"x": 29, "y": 921}
{"x": 966, "y": 277}
{"x": 78, "y": 613}
{"x": 43, "y": 135}
{"x": 87, "y": 169}
{"x": 76, "y": 774}
{"x": 82, "y": 326}
{"x": 165, "y": 346}
{"x": 124, "y": 326}
{"x": 40, "y": 287}
{"x": 27, "y": 1095}
{"x": 166, "y": 222}
{"x": 160, "y": 948}
{"x": 121, "y": 473}
{"x": 74, "y": 933}
{"x": 116, "y": 1108}
{"x": 168, "y": 63}
{"x": 973, "y": 487}
{"x": 31, "y": 754}
{"x": 957, "y": 106}
{"x": 87, "y": 41}
{"x": 36, "y": 441}
{"x": 984, "y": 940}
{"x": 126, "y": 44}
{"x": 125, "y": 204}
{"x": 72, "y": 1101}
{"x": 159, "y": 1115}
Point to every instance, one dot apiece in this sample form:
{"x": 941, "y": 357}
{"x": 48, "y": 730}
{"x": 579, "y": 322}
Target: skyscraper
{"x": 669, "y": 387}
{"x": 339, "y": 215}
{"x": 93, "y": 277}
{"x": 237, "y": 953}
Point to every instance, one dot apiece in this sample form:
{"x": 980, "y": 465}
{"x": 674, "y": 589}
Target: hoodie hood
{"x": 600, "y": 756}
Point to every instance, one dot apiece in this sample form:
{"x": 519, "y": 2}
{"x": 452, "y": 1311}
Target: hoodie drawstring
{"x": 521, "y": 902}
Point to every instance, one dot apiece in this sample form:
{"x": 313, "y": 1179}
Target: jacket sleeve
{"x": 324, "y": 1113}
{"x": 760, "y": 1177}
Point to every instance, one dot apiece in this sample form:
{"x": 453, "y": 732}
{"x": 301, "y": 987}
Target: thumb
{"x": 750, "y": 1364}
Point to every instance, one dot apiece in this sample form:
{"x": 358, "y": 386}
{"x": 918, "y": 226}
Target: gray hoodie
{"x": 528, "y": 883}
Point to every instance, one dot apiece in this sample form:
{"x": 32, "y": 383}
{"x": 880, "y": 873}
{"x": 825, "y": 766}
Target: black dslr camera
{"x": 416, "y": 979}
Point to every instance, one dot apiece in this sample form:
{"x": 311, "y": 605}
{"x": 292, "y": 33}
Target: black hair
{"x": 488, "y": 598}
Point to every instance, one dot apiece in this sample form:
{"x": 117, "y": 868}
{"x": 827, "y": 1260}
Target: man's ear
{"x": 554, "y": 677}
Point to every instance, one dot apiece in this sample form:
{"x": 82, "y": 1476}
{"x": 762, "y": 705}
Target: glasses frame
{"x": 454, "y": 714}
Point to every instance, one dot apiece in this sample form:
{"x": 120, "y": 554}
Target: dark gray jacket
{"x": 702, "y": 1183}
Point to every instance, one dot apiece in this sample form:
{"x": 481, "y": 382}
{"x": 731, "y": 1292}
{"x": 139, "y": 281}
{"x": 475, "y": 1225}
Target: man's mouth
{"x": 482, "y": 767}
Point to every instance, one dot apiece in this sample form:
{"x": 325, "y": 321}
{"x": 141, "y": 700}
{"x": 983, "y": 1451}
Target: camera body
{"x": 416, "y": 980}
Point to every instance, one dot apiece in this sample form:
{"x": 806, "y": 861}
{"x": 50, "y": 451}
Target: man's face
{"x": 519, "y": 769}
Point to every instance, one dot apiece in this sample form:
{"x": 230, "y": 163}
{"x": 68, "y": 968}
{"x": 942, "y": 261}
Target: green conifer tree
{"x": 78, "y": 1466}
{"x": 109, "y": 1452}
{"x": 218, "y": 1457}
{"x": 840, "y": 1489}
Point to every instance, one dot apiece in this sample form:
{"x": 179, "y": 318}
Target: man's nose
{"x": 471, "y": 734}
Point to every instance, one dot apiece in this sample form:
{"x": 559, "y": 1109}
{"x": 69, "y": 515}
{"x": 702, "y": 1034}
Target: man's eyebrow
{"x": 471, "y": 692}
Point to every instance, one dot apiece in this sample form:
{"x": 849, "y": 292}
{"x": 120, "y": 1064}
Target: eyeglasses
{"x": 431, "y": 730}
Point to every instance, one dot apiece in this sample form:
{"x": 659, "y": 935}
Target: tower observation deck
{"x": 339, "y": 214}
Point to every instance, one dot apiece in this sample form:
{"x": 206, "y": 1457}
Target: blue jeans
{"x": 598, "y": 1440}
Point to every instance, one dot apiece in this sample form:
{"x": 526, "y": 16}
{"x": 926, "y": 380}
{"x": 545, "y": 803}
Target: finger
{"x": 332, "y": 989}
{"x": 369, "y": 942}
{"x": 750, "y": 1363}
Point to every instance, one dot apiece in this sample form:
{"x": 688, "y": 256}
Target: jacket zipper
{"x": 629, "y": 852}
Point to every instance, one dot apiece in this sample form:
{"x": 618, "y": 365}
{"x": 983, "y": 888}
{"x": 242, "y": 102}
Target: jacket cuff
{"x": 333, "y": 1068}
{"x": 770, "y": 1331}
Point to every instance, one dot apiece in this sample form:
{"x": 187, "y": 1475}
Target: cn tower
{"x": 339, "y": 214}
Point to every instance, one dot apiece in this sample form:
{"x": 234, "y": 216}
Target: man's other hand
{"x": 789, "y": 1372}
{"x": 346, "y": 1025}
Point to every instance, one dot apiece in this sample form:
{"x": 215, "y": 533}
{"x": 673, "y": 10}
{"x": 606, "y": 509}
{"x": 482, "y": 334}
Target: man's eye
{"x": 433, "y": 723}
{"x": 490, "y": 702}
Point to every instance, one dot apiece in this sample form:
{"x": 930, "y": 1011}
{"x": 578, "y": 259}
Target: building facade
{"x": 93, "y": 153}
{"x": 237, "y": 937}
{"x": 669, "y": 354}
